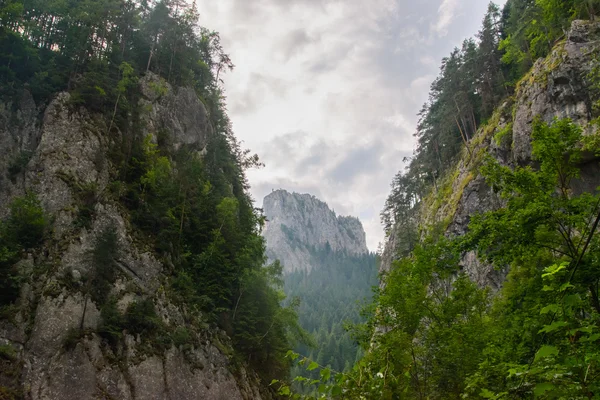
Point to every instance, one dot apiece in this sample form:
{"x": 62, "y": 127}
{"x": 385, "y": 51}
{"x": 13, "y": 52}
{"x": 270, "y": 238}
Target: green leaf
{"x": 284, "y": 390}
{"x": 565, "y": 286}
{"x": 545, "y": 351}
{"x": 550, "y": 308}
{"x": 542, "y": 388}
{"x": 322, "y": 388}
{"x": 553, "y": 326}
{"x": 591, "y": 338}
{"x": 336, "y": 390}
{"x": 312, "y": 366}
{"x": 325, "y": 374}
{"x": 571, "y": 300}
{"x": 486, "y": 394}
{"x": 274, "y": 381}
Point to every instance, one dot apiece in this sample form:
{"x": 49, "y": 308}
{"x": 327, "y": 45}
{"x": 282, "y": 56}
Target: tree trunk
{"x": 463, "y": 137}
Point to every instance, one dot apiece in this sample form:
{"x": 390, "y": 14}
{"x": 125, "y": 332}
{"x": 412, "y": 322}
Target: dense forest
{"x": 195, "y": 213}
{"x": 330, "y": 298}
{"x": 433, "y": 333}
{"x": 473, "y": 81}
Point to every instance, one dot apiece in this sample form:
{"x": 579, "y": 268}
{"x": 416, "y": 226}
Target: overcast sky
{"x": 327, "y": 91}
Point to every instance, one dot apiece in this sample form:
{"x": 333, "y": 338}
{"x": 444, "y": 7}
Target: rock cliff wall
{"x": 296, "y": 222}
{"x": 559, "y": 86}
{"x": 49, "y": 345}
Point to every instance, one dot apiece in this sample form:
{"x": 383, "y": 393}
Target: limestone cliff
{"x": 296, "y": 222}
{"x": 60, "y": 153}
{"x": 558, "y": 86}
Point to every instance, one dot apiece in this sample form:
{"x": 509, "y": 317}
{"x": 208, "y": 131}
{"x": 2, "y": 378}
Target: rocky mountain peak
{"x": 297, "y": 222}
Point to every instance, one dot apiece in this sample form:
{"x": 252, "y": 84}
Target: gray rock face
{"x": 176, "y": 111}
{"x": 53, "y": 330}
{"x": 556, "y": 87}
{"x": 297, "y": 221}
{"x": 19, "y": 137}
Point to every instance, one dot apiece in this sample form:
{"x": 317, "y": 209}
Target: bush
{"x": 18, "y": 164}
{"x": 182, "y": 337}
{"x": 25, "y": 228}
{"x": 27, "y": 223}
{"x": 141, "y": 318}
{"x": 112, "y": 324}
{"x": 104, "y": 269}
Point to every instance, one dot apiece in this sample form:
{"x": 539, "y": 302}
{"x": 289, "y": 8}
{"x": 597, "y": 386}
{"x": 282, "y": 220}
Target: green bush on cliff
{"x": 24, "y": 229}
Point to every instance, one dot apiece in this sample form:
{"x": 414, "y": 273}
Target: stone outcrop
{"x": 297, "y": 222}
{"x": 558, "y": 86}
{"x": 51, "y": 335}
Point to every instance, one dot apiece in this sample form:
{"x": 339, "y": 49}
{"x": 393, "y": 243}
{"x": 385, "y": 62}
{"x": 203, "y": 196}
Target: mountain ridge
{"x": 296, "y": 222}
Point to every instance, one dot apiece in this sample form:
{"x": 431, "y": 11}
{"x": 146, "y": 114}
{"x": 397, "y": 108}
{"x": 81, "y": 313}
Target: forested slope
{"x": 331, "y": 296}
{"x": 131, "y": 260}
{"x": 491, "y": 273}
{"x": 328, "y": 271}
{"x": 493, "y": 293}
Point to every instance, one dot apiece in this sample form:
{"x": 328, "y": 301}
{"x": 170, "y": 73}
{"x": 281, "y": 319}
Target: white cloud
{"x": 446, "y": 14}
{"x": 327, "y": 91}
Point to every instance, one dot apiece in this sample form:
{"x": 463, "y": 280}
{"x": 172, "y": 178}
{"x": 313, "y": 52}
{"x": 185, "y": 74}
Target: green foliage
{"x": 181, "y": 337}
{"x": 503, "y": 135}
{"x": 329, "y": 297}
{"x": 113, "y": 323}
{"x": 141, "y": 318}
{"x": 443, "y": 337}
{"x": 24, "y": 229}
{"x": 194, "y": 211}
{"x": 18, "y": 164}
{"x": 104, "y": 269}
{"x": 10, "y": 374}
{"x": 324, "y": 386}
{"x": 473, "y": 81}
{"x": 87, "y": 198}
{"x": 262, "y": 328}
{"x": 27, "y": 223}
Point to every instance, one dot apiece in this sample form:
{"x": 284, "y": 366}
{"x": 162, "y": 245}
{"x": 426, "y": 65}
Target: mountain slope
{"x": 298, "y": 222}
{"x": 496, "y": 263}
{"x": 331, "y": 272}
{"x": 131, "y": 261}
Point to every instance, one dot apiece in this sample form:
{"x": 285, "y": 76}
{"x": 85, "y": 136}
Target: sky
{"x": 327, "y": 92}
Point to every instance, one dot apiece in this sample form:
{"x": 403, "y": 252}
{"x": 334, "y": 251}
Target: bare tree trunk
{"x": 150, "y": 57}
{"x": 463, "y": 136}
{"x": 112, "y": 120}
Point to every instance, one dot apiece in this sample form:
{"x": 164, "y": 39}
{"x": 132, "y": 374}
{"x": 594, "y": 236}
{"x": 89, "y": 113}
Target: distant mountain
{"x": 327, "y": 267}
{"x": 298, "y": 224}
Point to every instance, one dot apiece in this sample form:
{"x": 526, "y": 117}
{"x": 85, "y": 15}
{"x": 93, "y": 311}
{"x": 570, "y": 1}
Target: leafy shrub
{"x": 113, "y": 323}
{"x": 87, "y": 198}
{"x": 27, "y": 222}
{"x": 141, "y": 318}
{"x": 104, "y": 268}
{"x": 25, "y": 228}
{"x": 18, "y": 164}
{"x": 182, "y": 337}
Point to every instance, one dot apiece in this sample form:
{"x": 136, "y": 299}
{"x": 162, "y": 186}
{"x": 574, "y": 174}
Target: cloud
{"x": 327, "y": 91}
{"x": 356, "y": 162}
{"x": 446, "y": 14}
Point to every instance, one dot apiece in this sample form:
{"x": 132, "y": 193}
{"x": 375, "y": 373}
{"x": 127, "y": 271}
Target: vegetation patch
{"x": 24, "y": 229}
{"x": 502, "y": 137}
{"x": 18, "y": 164}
